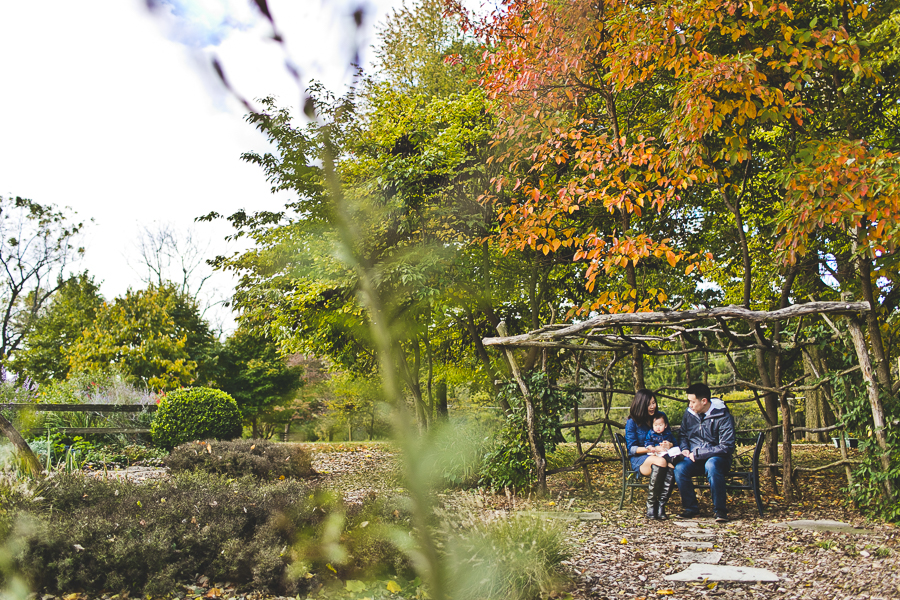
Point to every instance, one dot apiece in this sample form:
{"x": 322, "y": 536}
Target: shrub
{"x": 93, "y": 535}
{"x": 259, "y": 458}
{"x": 195, "y": 414}
{"x": 507, "y": 462}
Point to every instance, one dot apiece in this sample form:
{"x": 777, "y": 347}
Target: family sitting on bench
{"x": 706, "y": 448}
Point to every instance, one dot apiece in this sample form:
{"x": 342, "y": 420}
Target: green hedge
{"x": 197, "y": 413}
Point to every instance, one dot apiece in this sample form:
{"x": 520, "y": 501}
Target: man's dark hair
{"x": 700, "y": 390}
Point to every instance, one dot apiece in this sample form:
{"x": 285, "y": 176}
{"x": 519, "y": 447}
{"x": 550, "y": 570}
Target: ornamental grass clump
{"x": 512, "y": 558}
{"x": 500, "y": 557}
{"x": 260, "y": 458}
{"x": 192, "y": 414}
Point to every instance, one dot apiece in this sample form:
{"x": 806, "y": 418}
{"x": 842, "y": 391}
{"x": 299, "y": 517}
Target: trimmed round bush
{"x": 192, "y": 414}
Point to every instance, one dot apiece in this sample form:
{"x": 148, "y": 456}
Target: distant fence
{"x": 111, "y": 408}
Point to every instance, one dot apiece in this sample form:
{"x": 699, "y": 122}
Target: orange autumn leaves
{"x": 611, "y": 112}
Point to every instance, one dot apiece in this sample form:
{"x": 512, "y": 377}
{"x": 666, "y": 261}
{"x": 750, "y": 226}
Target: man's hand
{"x": 689, "y": 454}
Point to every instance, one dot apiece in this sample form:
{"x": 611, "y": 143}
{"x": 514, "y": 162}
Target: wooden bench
{"x": 743, "y": 476}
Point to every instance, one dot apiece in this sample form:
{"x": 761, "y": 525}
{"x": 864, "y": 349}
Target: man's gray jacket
{"x": 711, "y": 434}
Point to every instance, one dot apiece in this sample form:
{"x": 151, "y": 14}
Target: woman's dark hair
{"x": 661, "y": 415}
{"x": 639, "y": 405}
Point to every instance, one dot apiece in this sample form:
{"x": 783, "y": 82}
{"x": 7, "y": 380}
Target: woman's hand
{"x": 665, "y": 445}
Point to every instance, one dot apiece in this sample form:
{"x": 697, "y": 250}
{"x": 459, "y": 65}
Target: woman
{"x": 662, "y": 476}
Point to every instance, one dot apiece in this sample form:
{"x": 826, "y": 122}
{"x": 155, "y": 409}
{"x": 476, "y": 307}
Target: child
{"x": 660, "y": 433}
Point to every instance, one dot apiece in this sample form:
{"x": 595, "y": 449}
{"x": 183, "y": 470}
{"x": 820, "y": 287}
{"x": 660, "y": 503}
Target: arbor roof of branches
{"x": 676, "y": 332}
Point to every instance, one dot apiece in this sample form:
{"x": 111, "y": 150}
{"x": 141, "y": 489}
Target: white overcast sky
{"x": 114, "y": 112}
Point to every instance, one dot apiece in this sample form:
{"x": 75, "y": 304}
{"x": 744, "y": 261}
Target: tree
{"x": 422, "y": 51}
{"x": 409, "y": 158}
{"x": 169, "y": 255}
{"x": 256, "y": 375}
{"x": 711, "y": 116}
{"x": 37, "y": 244}
{"x": 155, "y": 336}
{"x": 70, "y": 310}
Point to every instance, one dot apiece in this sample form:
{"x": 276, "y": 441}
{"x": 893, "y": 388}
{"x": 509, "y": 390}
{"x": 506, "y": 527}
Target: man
{"x": 707, "y": 441}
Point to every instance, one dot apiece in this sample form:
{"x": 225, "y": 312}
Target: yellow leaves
{"x": 393, "y": 587}
{"x": 750, "y": 109}
{"x": 672, "y": 258}
{"x": 623, "y": 541}
{"x": 665, "y": 592}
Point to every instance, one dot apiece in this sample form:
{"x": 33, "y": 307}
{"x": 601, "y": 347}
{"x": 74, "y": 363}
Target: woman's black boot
{"x": 654, "y": 487}
{"x": 668, "y": 482}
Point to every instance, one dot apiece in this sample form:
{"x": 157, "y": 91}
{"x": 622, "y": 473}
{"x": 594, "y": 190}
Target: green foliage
{"x": 70, "y": 310}
{"x": 259, "y": 458}
{"x": 154, "y": 336}
{"x": 256, "y": 375}
{"x": 414, "y": 43}
{"x": 36, "y": 244}
{"x": 97, "y": 387}
{"x": 869, "y": 478}
{"x": 353, "y": 403}
{"x": 850, "y": 395}
{"x": 508, "y": 461}
{"x": 54, "y": 449}
{"x": 195, "y": 414}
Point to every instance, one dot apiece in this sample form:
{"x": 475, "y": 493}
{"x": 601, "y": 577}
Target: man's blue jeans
{"x": 715, "y": 468}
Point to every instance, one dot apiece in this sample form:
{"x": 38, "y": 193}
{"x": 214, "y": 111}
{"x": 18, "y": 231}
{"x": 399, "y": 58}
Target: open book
{"x": 674, "y": 451}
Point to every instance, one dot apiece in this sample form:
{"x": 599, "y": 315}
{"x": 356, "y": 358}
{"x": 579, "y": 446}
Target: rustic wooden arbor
{"x": 722, "y": 331}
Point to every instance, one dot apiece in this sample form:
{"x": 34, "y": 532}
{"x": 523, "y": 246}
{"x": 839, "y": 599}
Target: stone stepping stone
{"x": 565, "y": 516}
{"x": 699, "y": 572}
{"x": 590, "y": 516}
{"x": 701, "y": 545}
{"x": 698, "y": 535}
{"x": 686, "y": 523}
{"x": 825, "y": 525}
{"x": 707, "y": 558}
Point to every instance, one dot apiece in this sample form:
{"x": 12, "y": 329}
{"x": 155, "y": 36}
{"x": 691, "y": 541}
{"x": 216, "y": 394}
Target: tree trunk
{"x": 482, "y": 354}
{"x": 24, "y": 451}
{"x": 882, "y": 364}
{"x": 442, "y": 411}
{"x": 787, "y": 470}
{"x": 817, "y": 413}
{"x": 411, "y": 377}
{"x": 637, "y": 357}
{"x": 534, "y": 442}
{"x": 859, "y": 342}
{"x": 586, "y": 472}
{"x": 771, "y": 416}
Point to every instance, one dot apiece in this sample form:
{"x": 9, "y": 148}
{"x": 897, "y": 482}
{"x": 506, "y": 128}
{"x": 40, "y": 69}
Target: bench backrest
{"x": 622, "y": 451}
